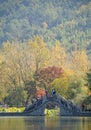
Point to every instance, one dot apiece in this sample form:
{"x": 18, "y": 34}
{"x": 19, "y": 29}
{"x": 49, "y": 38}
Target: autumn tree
{"x": 3, "y": 86}
{"x": 17, "y": 67}
{"x": 79, "y": 61}
{"x": 46, "y": 75}
{"x": 39, "y": 52}
{"x": 58, "y": 55}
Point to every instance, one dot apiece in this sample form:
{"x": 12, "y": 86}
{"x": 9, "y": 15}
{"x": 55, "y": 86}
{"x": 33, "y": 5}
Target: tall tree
{"x": 39, "y": 52}
{"x": 89, "y": 79}
{"x": 79, "y": 61}
{"x": 58, "y": 55}
{"x": 16, "y": 68}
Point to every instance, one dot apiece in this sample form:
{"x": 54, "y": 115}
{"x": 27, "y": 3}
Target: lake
{"x": 45, "y": 123}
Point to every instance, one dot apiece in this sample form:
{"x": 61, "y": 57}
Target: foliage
{"x": 89, "y": 80}
{"x": 66, "y": 21}
{"x": 40, "y": 93}
{"x": 87, "y": 101}
{"x": 61, "y": 85}
{"x": 39, "y": 52}
{"x": 76, "y": 90}
{"x": 30, "y": 88}
{"x": 52, "y": 112}
{"x": 15, "y": 98}
{"x": 25, "y": 67}
{"x": 46, "y": 75}
{"x": 58, "y": 55}
{"x": 79, "y": 60}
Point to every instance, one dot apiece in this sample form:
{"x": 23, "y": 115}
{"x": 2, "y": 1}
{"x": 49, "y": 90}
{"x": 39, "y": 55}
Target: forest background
{"x": 45, "y": 44}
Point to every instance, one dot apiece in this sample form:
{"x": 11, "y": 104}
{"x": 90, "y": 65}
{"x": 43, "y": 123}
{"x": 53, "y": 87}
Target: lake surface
{"x": 45, "y": 123}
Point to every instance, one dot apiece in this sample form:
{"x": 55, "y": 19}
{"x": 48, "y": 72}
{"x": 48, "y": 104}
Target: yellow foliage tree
{"x": 79, "y": 61}
{"x": 39, "y": 53}
{"x": 58, "y": 55}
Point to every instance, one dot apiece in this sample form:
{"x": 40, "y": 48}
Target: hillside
{"x": 63, "y": 20}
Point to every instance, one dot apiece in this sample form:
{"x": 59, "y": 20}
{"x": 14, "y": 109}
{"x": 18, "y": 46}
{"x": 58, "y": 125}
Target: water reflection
{"x": 9, "y": 123}
{"x": 45, "y": 123}
{"x": 34, "y": 123}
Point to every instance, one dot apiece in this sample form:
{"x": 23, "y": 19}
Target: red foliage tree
{"x": 46, "y": 75}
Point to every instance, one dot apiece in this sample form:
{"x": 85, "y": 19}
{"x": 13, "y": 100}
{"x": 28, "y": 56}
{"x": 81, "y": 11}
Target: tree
{"x": 15, "y": 98}
{"x": 61, "y": 85}
{"x": 77, "y": 91}
{"x": 79, "y": 61}
{"x": 89, "y": 79}
{"x": 58, "y": 55}
{"x": 87, "y": 99}
{"x": 30, "y": 88}
{"x": 39, "y": 52}
{"x": 40, "y": 55}
{"x": 16, "y": 68}
{"x": 46, "y": 75}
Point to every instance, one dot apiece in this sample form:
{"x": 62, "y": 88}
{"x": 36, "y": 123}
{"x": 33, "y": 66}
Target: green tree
{"x": 15, "y": 98}
{"x": 77, "y": 91}
{"x": 89, "y": 79}
{"x": 61, "y": 85}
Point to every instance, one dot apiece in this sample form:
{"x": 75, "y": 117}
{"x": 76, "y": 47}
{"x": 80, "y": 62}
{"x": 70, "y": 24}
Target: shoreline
{"x": 82, "y": 114}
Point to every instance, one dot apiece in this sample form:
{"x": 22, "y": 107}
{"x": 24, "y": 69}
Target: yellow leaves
{"x": 89, "y": 92}
{"x": 58, "y": 55}
{"x": 79, "y": 60}
{"x": 1, "y": 59}
{"x": 68, "y": 72}
{"x": 84, "y": 89}
{"x": 39, "y": 52}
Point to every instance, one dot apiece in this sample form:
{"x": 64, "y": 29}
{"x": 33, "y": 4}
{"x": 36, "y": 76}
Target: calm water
{"x": 45, "y": 123}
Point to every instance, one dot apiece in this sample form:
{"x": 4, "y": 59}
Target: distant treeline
{"x": 68, "y": 21}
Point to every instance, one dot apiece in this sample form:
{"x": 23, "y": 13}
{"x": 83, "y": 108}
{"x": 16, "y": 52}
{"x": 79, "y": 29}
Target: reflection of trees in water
{"x": 45, "y": 123}
{"x": 34, "y": 123}
{"x": 42, "y": 123}
{"x": 11, "y": 123}
{"x": 52, "y": 122}
{"x": 85, "y": 121}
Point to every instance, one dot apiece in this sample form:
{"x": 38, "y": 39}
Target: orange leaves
{"x": 40, "y": 93}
